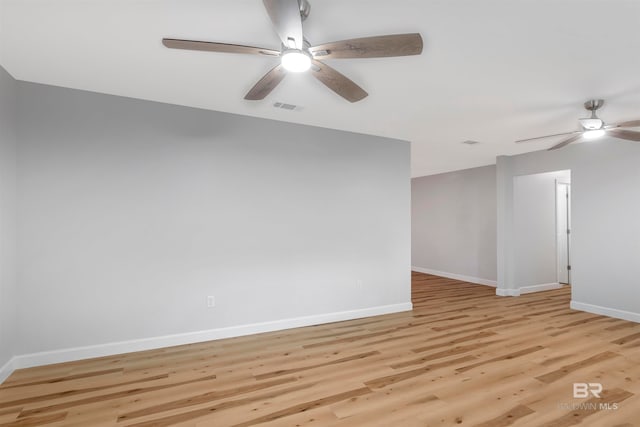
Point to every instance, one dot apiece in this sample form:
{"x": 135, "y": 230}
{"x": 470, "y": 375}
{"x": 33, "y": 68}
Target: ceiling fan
{"x": 594, "y": 127}
{"x": 297, "y": 55}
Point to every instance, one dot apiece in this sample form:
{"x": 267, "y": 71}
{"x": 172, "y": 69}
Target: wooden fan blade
{"x": 629, "y": 135}
{"x": 285, "y": 16}
{"x": 217, "y": 47}
{"x": 629, "y": 124}
{"x": 548, "y": 136}
{"x": 337, "y": 82}
{"x": 566, "y": 142}
{"x": 266, "y": 84}
{"x": 371, "y": 47}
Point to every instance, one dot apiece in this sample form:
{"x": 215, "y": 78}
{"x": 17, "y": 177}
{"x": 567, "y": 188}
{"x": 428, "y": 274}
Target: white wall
{"x": 132, "y": 213}
{"x": 535, "y": 236}
{"x": 453, "y": 223}
{"x": 605, "y": 177}
{"x": 8, "y": 280}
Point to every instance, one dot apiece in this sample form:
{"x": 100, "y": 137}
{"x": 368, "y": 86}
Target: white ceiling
{"x": 491, "y": 70}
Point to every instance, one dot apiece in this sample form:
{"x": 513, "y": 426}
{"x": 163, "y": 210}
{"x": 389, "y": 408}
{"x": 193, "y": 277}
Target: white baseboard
{"x": 501, "y": 292}
{"x": 527, "y": 289}
{"x": 455, "y": 276}
{"x": 7, "y": 369}
{"x": 539, "y": 288}
{"x": 605, "y": 311}
{"x": 109, "y": 349}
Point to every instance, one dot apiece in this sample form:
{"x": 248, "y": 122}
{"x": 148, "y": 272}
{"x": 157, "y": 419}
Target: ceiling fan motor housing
{"x": 593, "y": 122}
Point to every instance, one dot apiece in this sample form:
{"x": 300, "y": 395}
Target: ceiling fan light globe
{"x": 591, "y": 124}
{"x": 593, "y": 134}
{"x": 296, "y": 61}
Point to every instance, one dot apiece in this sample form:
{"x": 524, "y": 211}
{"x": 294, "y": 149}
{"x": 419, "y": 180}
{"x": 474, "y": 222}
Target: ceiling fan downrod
{"x": 593, "y": 105}
{"x": 305, "y": 9}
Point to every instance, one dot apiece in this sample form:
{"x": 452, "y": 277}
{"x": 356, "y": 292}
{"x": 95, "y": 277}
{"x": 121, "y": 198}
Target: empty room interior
{"x": 319, "y": 213}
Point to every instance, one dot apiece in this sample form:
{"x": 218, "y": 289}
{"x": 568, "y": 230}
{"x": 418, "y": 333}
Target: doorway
{"x": 536, "y": 221}
{"x": 563, "y": 231}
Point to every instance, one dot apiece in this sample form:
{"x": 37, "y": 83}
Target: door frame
{"x": 567, "y": 188}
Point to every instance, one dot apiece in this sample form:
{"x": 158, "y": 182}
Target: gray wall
{"x": 453, "y": 218}
{"x": 605, "y": 242}
{"x": 8, "y": 284}
{"x": 132, "y": 212}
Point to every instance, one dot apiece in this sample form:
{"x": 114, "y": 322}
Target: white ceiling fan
{"x": 594, "y": 127}
{"x": 296, "y": 54}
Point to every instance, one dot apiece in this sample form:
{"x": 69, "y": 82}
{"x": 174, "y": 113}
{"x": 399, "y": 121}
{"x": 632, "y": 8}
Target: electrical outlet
{"x": 211, "y": 301}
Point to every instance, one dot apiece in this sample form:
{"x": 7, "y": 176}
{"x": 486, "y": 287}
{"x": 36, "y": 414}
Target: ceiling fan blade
{"x": 217, "y": 47}
{"x": 337, "y": 82}
{"x": 266, "y": 84}
{"x": 371, "y": 47}
{"x": 566, "y": 142}
{"x": 548, "y": 136}
{"x": 286, "y": 19}
{"x": 629, "y": 124}
{"x": 629, "y": 135}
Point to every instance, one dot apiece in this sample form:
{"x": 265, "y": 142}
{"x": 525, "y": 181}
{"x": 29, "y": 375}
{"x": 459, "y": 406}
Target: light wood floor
{"x": 462, "y": 357}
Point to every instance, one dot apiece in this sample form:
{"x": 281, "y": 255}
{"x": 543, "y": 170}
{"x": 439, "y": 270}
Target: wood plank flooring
{"x": 462, "y": 357}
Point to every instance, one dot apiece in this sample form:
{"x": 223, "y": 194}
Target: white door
{"x": 563, "y": 231}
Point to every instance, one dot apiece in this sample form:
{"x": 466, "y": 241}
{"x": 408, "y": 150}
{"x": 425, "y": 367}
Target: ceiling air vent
{"x": 285, "y": 106}
{"x": 470, "y": 142}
